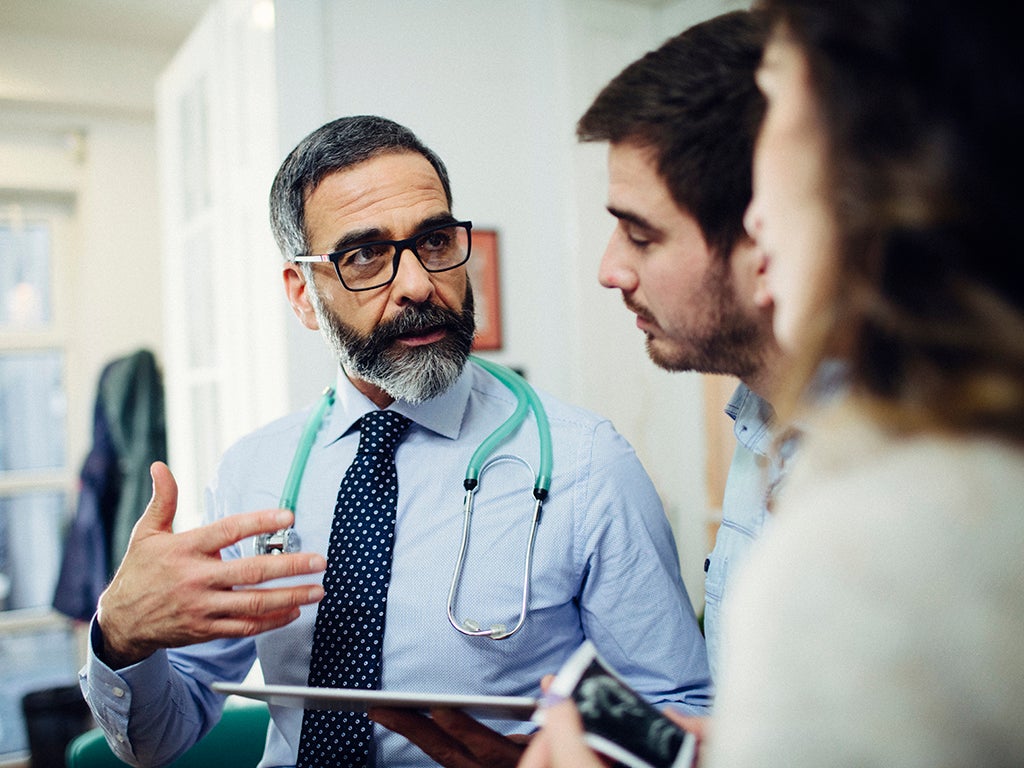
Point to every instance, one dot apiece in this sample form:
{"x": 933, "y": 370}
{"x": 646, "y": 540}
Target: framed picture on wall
{"x": 484, "y": 275}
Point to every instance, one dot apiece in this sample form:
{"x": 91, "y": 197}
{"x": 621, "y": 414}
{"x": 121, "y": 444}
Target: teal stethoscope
{"x": 287, "y": 540}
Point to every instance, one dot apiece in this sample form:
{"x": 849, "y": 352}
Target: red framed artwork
{"x": 483, "y": 274}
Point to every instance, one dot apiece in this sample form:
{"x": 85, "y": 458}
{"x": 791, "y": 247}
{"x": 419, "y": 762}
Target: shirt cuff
{"x": 118, "y": 691}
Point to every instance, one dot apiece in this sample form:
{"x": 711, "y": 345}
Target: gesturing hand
{"x": 173, "y": 589}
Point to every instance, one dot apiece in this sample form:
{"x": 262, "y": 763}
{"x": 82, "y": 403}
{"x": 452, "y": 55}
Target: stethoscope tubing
{"x": 526, "y": 398}
{"x": 290, "y": 494}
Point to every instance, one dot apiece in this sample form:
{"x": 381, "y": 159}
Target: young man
{"x": 680, "y": 123}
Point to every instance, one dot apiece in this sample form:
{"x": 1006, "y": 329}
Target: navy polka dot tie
{"x": 349, "y": 630}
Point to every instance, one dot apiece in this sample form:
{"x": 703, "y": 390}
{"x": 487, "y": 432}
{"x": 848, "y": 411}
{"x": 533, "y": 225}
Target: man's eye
{"x": 367, "y": 254}
{"x": 440, "y": 240}
{"x": 638, "y": 237}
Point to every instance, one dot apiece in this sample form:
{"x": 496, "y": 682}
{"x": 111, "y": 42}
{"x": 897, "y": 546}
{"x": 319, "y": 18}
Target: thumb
{"x": 159, "y": 515}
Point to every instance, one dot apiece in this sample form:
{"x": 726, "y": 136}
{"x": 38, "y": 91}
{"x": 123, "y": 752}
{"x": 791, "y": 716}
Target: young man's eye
{"x": 638, "y": 237}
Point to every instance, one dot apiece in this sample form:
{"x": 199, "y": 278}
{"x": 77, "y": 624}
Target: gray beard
{"x": 412, "y": 374}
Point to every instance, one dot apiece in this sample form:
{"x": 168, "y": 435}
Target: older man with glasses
{"x": 376, "y": 261}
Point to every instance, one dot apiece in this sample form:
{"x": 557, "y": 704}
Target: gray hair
{"x": 340, "y": 144}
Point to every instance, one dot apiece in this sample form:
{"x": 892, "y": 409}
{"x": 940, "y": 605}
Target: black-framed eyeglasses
{"x": 374, "y": 264}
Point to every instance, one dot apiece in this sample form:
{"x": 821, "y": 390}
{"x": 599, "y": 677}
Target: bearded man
{"x": 376, "y": 262}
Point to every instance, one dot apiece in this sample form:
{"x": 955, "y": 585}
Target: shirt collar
{"x": 442, "y": 414}
{"x": 754, "y": 417}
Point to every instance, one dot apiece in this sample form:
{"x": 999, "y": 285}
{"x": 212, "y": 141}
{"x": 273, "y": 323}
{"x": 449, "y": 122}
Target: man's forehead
{"x": 404, "y": 164}
{"x": 384, "y": 192}
{"x": 636, "y": 190}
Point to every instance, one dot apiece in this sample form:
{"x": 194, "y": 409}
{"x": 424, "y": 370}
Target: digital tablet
{"x": 352, "y": 699}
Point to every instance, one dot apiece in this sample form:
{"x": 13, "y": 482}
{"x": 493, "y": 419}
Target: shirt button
{"x": 119, "y": 692}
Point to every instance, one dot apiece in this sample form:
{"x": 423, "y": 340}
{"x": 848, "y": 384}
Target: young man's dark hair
{"x": 671, "y": 100}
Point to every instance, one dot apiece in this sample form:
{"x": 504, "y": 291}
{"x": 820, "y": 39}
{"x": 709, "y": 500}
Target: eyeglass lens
{"x": 374, "y": 264}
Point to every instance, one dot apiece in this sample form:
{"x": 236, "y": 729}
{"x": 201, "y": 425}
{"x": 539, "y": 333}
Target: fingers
{"x": 422, "y": 731}
{"x": 159, "y": 518}
{"x": 258, "y": 604}
{"x": 258, "y": 569}
{"x": 416, "y": 727}
{"x": 538, "y": 754}
{"x": 488, "y": 746}
{"x": 241, "y": 625}
{"x": 696, "y": 725}
{"x": 232, "y": 529}
{"x": 451, "y": 738}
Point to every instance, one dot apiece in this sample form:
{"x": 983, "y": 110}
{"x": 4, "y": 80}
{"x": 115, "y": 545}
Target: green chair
{"x": 235, "y": 742}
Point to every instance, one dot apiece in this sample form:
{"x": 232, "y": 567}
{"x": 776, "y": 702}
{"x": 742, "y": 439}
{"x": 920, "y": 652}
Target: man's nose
{"x": 616, "y": 270}
{"x": 412, "y": 283}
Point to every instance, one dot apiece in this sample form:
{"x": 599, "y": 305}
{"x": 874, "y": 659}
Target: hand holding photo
{"x": 618, "y": 722}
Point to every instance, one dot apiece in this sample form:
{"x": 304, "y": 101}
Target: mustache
{"x": 415, "y": 320}
{"x": 637, "y": 310}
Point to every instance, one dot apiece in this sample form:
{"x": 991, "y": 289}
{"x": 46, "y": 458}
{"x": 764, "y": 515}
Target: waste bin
{"x": 53, "y": 717}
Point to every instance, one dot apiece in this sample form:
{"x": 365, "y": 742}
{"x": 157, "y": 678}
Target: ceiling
{"x": 156, "y": 23}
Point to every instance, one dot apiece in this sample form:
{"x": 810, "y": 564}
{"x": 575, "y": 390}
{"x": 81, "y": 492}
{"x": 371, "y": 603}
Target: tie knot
{"x": 380, "y": 431}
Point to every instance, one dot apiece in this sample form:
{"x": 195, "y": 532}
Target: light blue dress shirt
{"x": 605, "y": 568}
{"x": 744, "y": 506}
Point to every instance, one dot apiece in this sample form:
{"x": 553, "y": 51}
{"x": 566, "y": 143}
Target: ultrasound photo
{"x": 618, "y": 721}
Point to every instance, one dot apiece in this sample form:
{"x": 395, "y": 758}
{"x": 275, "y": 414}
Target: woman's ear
{"x": 297, "y": 290}
{"x": 762, "y": 294}
{"x": 749, "y": 266}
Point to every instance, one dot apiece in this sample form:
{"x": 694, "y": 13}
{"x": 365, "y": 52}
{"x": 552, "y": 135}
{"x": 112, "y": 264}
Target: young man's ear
{"x": 297, "y": 290}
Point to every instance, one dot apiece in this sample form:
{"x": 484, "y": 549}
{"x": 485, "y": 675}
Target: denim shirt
{"x": 754, "y": 470}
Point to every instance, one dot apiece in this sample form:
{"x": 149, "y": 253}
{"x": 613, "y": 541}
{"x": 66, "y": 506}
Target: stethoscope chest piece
{"x": 284, "y": 541}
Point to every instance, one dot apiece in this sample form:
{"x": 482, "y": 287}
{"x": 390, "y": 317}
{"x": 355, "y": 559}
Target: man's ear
{"x": 297, "y": 290}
